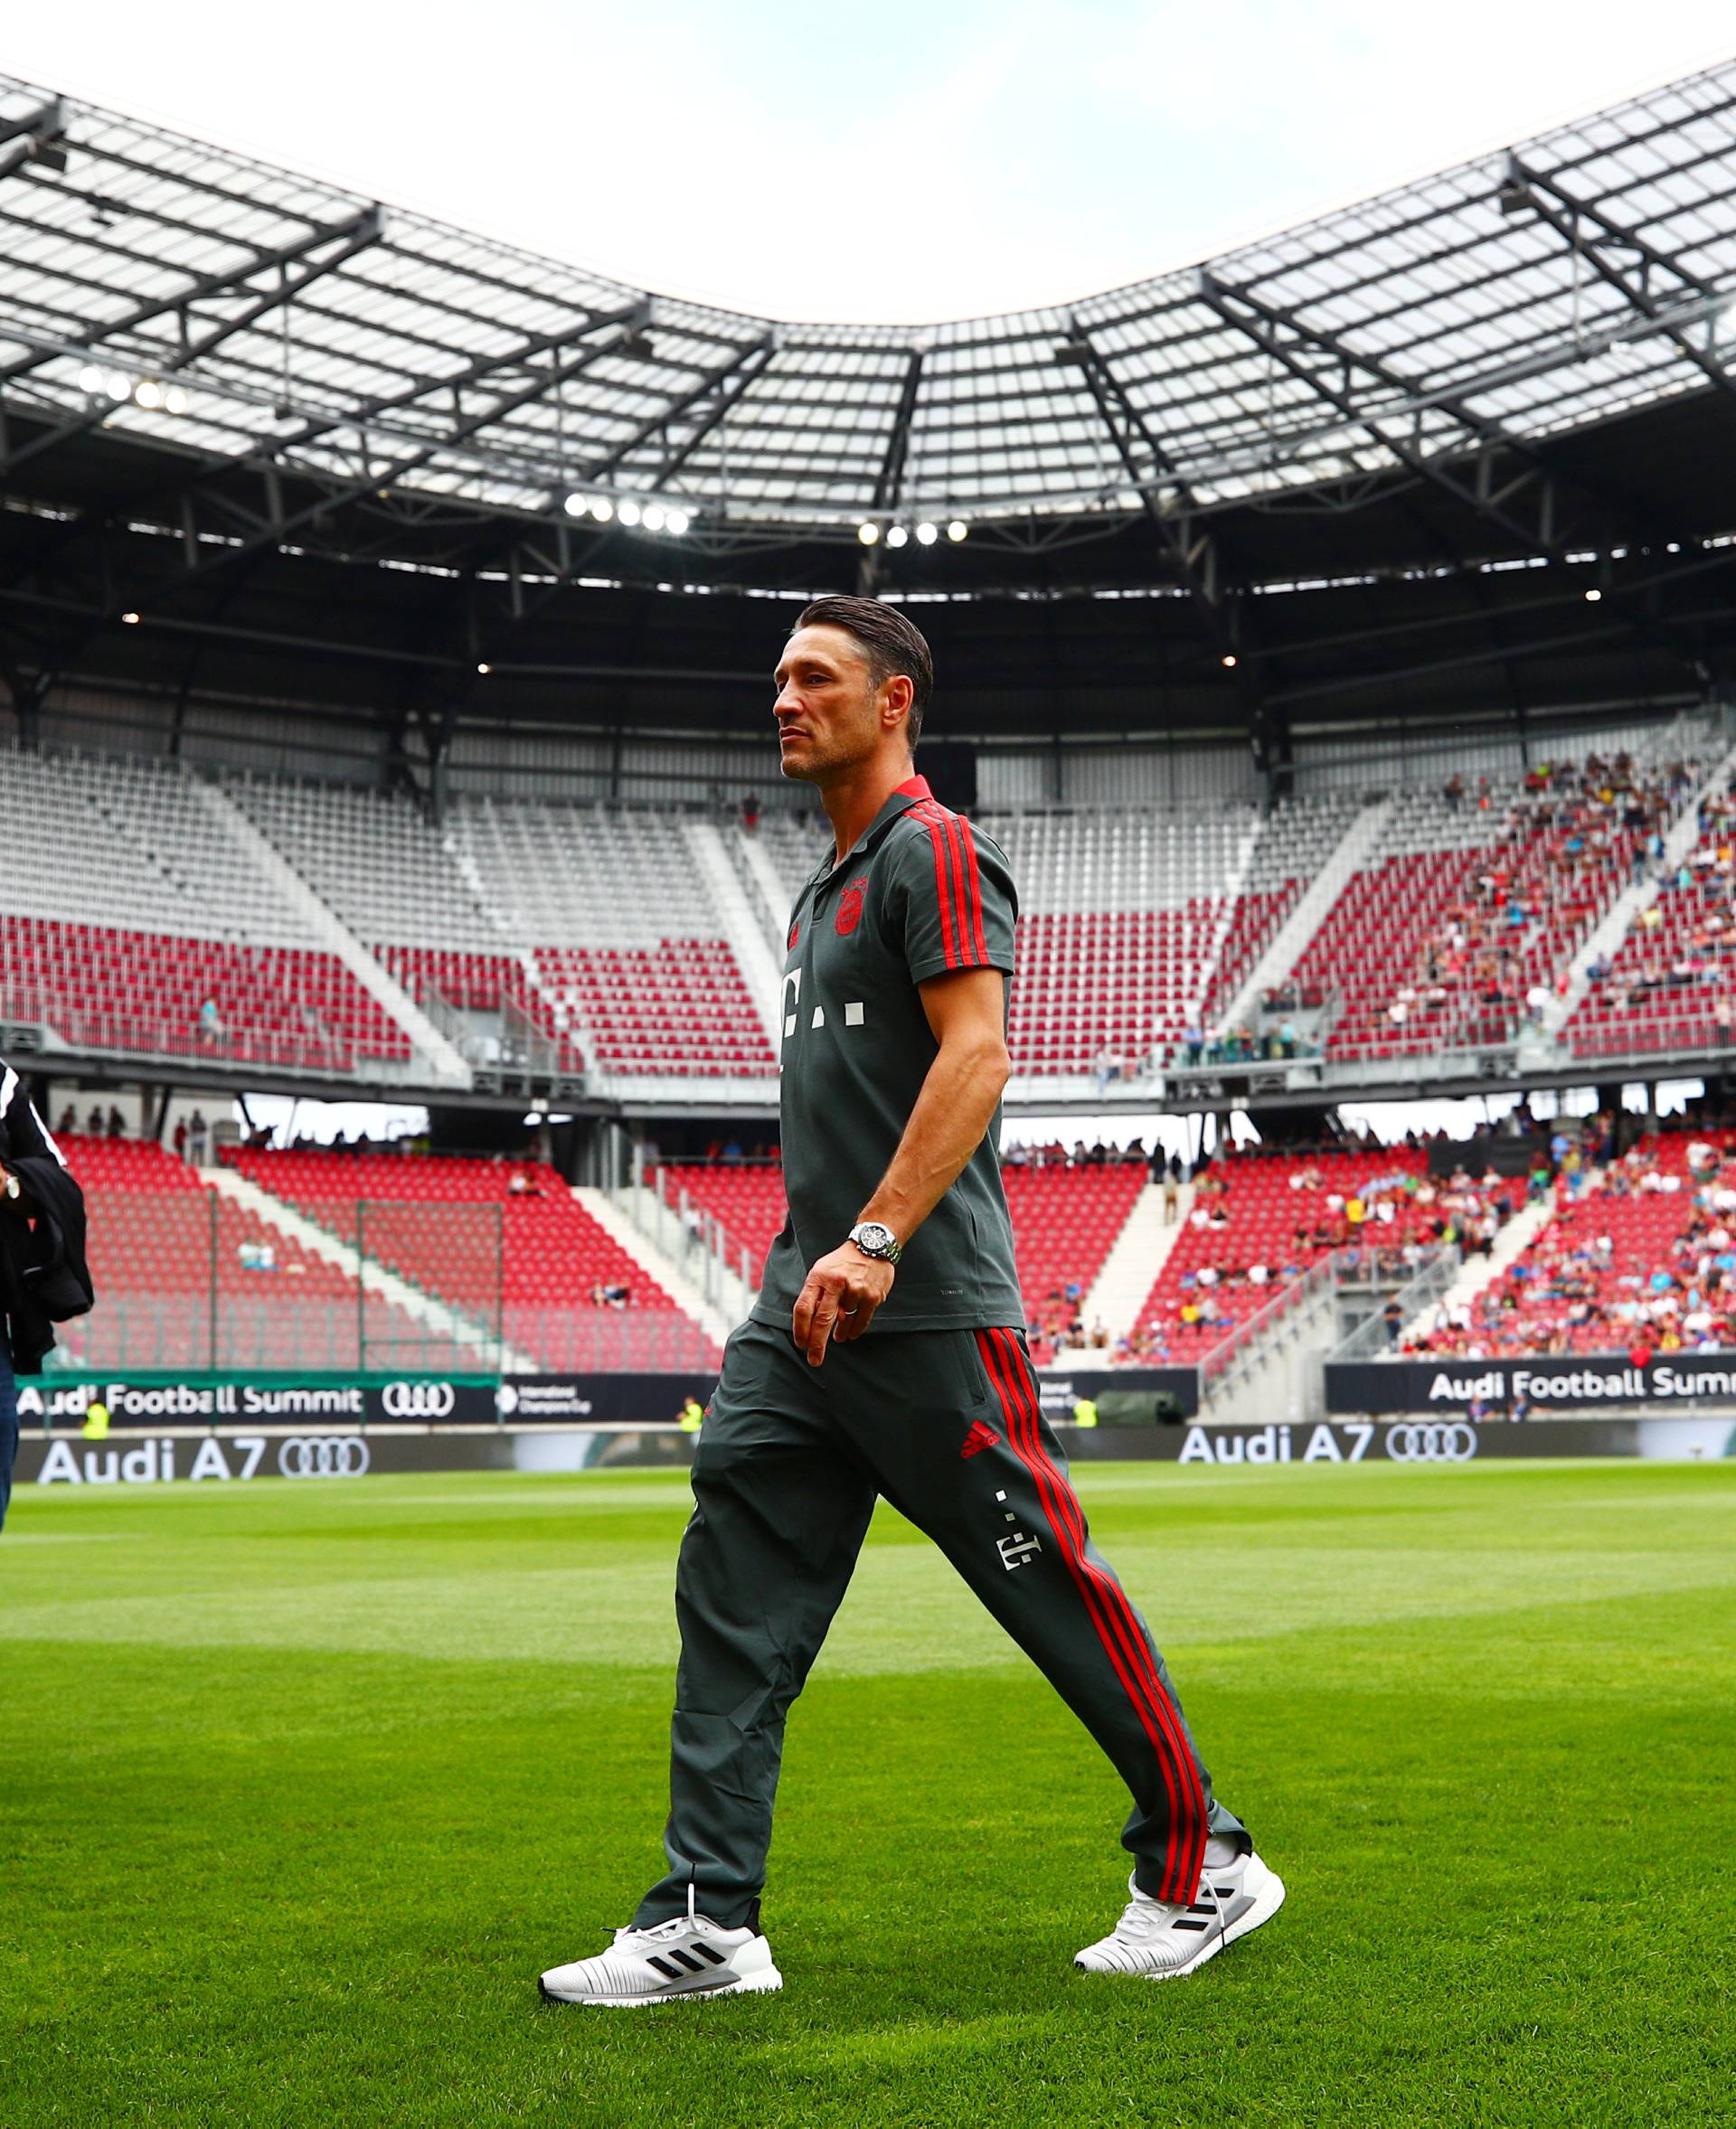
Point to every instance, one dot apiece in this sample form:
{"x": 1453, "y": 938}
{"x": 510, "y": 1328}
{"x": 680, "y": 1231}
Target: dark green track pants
{"x": 948, "y": 1426}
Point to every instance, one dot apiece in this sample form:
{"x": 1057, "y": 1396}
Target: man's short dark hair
{"x": 890, "y": 642}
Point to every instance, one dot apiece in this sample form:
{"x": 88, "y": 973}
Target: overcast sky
{"x": 907, "y": 159}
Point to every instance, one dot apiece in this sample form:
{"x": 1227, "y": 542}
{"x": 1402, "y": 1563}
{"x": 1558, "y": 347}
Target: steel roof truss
{"x": 350, "y": 236}
{"x": 364, "y": 232}
{"x": 709, "y": 382}
{"x": 1565, "y": 214}
{"x": 275, "y": 529}
{"x": 728, "y": 396}
{"x": 634, "y": 317}
{"x": 1265, "y": 330}
{"x": 1193, "y": 553}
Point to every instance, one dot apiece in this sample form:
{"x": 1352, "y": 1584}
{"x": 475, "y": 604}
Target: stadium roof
{"x": 1470, "y": 445}
{"x": 1580, "y": 276}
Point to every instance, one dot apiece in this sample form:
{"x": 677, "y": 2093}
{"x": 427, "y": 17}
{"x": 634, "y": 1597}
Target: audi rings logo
{"x": 1435, "y": 1441}
{"x": 418, "y": 1400}
{"x": 322, "y": 1456}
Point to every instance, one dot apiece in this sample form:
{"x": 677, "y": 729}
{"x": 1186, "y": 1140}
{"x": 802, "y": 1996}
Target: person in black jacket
{"x": 44, "y": 1278}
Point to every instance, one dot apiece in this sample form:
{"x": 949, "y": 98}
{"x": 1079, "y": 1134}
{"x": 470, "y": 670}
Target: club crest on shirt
{"x": 794, "y": 933}
{"x": 850, "y": 906}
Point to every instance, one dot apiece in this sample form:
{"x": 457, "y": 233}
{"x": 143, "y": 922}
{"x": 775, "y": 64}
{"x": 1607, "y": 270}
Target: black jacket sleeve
{"x": 43, "y": 1277}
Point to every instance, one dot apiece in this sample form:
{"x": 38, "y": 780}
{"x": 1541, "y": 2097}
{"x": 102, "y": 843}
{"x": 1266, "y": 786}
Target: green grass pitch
{"x": 305, "y": 1782}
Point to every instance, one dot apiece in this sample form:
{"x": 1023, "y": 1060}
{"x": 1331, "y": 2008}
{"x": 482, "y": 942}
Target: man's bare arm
{"x": 967, "y": 1012}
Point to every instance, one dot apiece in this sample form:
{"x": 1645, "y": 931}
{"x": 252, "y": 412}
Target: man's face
{"x": 829, "y": 710}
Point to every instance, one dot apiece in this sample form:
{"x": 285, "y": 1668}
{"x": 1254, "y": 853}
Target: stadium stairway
{"x": 773, "y": 890}
{"x": 1541, "y": 1048}
{"x": 630, "y": 1215}
{"x": 1130, "y": 1270}
{"x": 1292, "y": 937}
{"x": 1476, "y": 1272}
{"x": 375, "y": 1277}
{"x": 1276, "y": 1375}
{"x": 740, "y": 924}
{"x": 440, "y": 1060}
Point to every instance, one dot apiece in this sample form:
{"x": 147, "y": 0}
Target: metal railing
{"x": 748, "y": 881}
{"x": 1352, "y": 1265}
{"x": 312, "y": 1049}
{"x": 1371, "y": 1340}
{"x": 1233, "y": 1357}
{"x": 193, "y": 1280}
{"x": 697, "y": 1241}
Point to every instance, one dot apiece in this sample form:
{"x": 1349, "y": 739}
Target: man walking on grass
{"x": 886, "y": 1355}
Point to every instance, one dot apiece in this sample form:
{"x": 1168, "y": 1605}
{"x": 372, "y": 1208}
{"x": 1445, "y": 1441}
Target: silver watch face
{"x": 874, "y": 1240}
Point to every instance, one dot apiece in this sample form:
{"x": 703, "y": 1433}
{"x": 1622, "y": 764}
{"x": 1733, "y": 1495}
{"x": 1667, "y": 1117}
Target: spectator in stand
{"x": 196, "y": 1130}
{"x": 117, "y": 1122}
{"x": 1172, "y": 1197}
{"x": 179, "y": 1138}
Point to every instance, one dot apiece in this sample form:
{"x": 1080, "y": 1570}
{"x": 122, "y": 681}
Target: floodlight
{"x": 119, "y": 385}
{"x": 677, "y": 522}
{"x": 92, "y": 380}
{"x": 652, "y": 517}
{"x": 576, "y": 505}
{"x": 926, "y": 534}
{"x": 628, "y": 512}
{"x": 956, "y": 529}
{"x": 1593, "y": 595}
{"x": 149, "y": 393}
{"x": 483, "y": 667}
{"x": 131, "y": 620}
{"x": 174, "y": 401}
{"x": 896, "y": 536}
{"x": 1229, "y": 660}
{"x": 601, "y": 509}
{"x": 868, "y": 531}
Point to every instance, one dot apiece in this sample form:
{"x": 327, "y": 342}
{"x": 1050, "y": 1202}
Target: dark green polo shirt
{"x": 922, "y": 893}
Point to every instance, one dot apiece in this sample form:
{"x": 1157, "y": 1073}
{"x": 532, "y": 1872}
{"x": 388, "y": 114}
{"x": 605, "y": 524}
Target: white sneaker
{"x": 691, "y": 1956}
{"x": 1161, "y": 1942}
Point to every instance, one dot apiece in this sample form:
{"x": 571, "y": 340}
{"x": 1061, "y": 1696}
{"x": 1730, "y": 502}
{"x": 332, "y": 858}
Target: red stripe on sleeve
{"x": 933, "y": 827}
{"x": 976, "y": 887}
{"x": 955, "y": 866}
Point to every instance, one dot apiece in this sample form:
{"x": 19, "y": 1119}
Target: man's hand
{"x": 839, "y": 1300}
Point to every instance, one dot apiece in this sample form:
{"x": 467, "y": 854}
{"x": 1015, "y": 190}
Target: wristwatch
{"x": 875, "y": 1241}
{"x": 14, "y": 1189}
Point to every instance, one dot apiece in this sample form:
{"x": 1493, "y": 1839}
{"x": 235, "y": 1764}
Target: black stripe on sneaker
{"x": 669, "y": 1972}
{"x": 688, "y": 1961}
{"x": 1183, "y": 1923}
{"x": 709, "y": 1952}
